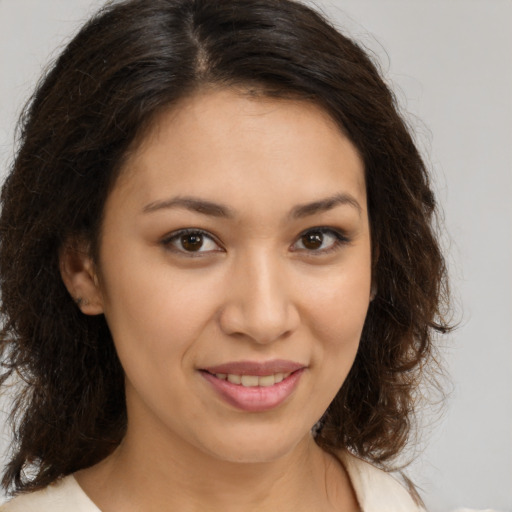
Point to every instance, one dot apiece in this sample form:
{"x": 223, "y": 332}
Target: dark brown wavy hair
{"x": 128, "y": 63}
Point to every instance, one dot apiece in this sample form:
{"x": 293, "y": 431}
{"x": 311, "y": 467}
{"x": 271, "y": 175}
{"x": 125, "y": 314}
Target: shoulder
{"x": 376, "y": 490}
{"x": 63, "y": 496}
{"x": 379, "y": 491}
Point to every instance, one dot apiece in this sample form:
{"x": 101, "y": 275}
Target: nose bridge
{"x": 259, "y": 304}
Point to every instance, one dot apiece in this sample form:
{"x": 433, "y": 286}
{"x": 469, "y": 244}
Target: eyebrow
{"x": 324, "y": 205}
{"x": 218, "y": 210}
{"x": 191, "y": 203}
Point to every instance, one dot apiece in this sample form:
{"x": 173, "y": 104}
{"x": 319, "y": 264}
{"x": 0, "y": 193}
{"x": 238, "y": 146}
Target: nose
{"x": 259, "y": 302}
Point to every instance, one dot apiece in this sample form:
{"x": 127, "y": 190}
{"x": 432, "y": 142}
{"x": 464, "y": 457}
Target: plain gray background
{"x": 450, "y": 62}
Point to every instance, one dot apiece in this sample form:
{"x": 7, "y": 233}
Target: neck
{"x": 136, "y": 478}
{"x": 156, "y": 470}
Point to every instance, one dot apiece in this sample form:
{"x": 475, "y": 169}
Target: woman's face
{"x": 235, "y": 274}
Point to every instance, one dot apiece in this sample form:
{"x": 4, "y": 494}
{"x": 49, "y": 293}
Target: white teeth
{"x": 251, "y": 381}
{"x": 234, "y": 379}
{"x": 266, "y": 381}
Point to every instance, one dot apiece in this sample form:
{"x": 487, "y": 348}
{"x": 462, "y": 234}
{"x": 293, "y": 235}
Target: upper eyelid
{"x": 188, "y": 231}
{"x": 340, "y": 235}
{"x": 340, "y": 240}
{"x": 167, "y": 239}
{"x": 323, "y": 229}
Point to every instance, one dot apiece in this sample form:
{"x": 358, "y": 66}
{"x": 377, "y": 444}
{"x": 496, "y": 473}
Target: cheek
{"x": 337, "y": 314}
{"x": 339, "y": 303}
{"x": 156, "y": 315}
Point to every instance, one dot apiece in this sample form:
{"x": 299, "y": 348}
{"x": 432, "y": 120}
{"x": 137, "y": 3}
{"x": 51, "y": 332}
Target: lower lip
{"x": 257, "y": 398}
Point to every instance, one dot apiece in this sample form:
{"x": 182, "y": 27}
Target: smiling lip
{"x": 256, "y": 368}
{"x": 255, "y": 398}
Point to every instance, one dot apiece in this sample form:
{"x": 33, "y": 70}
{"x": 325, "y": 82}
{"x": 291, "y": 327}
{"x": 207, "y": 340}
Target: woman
{"x": 220, "y": 275}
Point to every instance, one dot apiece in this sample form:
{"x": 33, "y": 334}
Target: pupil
{"x": 192, "y": 242}
{"x": 313, "y": 240}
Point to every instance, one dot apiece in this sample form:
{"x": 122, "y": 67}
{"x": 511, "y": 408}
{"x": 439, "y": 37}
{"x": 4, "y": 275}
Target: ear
{"x": 79, "y": 275}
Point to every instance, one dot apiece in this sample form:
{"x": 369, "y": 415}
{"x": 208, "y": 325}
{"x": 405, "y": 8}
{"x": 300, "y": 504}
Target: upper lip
{"x": 258, "y": 368}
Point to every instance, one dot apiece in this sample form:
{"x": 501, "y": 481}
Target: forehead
{"x": 225, "y": 143}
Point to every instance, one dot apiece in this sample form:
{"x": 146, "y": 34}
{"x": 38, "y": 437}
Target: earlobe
{"x": 80, "y": 277}
{"x": 373, "y": 291}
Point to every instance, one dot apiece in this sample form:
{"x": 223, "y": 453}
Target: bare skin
{"x": 237, "y": 232}
{"x": 320, "y": 483}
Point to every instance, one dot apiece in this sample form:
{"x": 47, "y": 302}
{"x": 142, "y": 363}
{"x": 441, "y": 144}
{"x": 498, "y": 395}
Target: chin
{"x": 256, "y": 445}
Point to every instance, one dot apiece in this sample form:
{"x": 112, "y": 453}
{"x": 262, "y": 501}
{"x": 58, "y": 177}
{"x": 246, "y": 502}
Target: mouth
{"x": 256, "y": 368}
{"x": 254, "y": 387}
{"x": 252, "y": 381}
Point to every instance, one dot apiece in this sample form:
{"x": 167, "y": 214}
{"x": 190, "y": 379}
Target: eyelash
{"x": 340, "y": 239}
{"x": 176, "y": 235}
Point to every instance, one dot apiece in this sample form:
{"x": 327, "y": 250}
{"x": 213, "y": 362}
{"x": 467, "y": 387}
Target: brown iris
{"x": 192, "y": 242}
{"x": 313, "y": 240}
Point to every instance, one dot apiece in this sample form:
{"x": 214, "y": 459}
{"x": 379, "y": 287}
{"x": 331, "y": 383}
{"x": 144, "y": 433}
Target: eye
{"x": 191, "y": 241}
{"x": 319, "y": 240}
